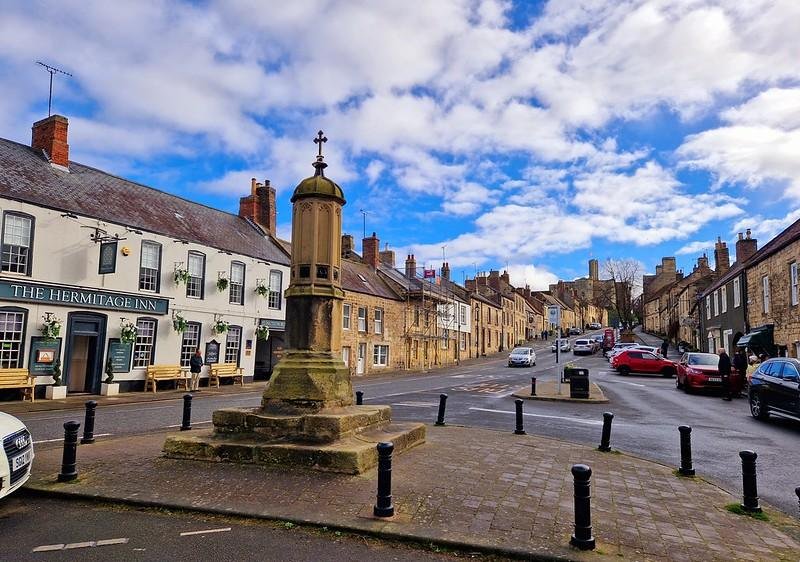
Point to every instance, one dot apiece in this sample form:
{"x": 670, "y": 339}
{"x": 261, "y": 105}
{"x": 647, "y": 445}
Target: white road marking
{"x": 109, "y": 542}
{"x": 189, "y": 533}
{"x": 61, "y": 438}
{"x": 631, "y": 383}
{"x": 87, "y": 544}
{"x": 48, "y": 548}
{"x": 417, "y": 404}
{"x": 574, "y": 420}
{"x": 193, "y": 423}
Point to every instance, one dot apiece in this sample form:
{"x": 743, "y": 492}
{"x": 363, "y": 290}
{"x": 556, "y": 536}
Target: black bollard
{"x": 519, "y": 430}
{"x": 605, "y": 437}
{"x": 686, "y": 451}
{"x": 359, "y": 398}
{"x": 383, "y": 506}
{"x": 797, "y": 491}
{"x": 533, "y": 386}
{"x": 442, "y": 405}
{"x": 749, "y": 484}
{"x": 68, "y": 471}
{"x": 88, "y": 423}
{"x": 582, "y": 538}
{"x": 187, "y": 412}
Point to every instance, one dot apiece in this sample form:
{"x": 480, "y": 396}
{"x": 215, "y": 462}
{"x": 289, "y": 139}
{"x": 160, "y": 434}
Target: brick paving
{"x": 476, "y": 488}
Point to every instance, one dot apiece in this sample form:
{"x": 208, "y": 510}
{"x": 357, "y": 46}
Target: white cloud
{"x": 537, "y": 278}
{"x": 765, "y": 229}
{"x": 696, "y": 247}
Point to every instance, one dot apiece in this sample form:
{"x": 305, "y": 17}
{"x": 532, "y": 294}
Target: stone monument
{"x": 307, "y": 417}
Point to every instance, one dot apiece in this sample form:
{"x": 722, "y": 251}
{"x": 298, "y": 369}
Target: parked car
{"x": 522, "y": 356}
{"x": 563, "y": 345}
{"x": 595, "y": 325}
{"x": 698, "y": 371}
{"x": 775, "y": 389}
{"x": 583, "y": 347}
{"x": 618, "y": 348}
{"x": 574, "y": 331}
{"x": 16, "y": 456}
{"x": 598, "y": 340}
{"x": 635, "y": 360}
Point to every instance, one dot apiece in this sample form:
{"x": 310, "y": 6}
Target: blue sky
{"x": 529, "y": 134}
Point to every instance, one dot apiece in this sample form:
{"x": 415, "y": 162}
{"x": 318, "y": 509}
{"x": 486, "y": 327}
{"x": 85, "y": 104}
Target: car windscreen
{"x": 521, "y": 350}
{"x": 703, "y": 359}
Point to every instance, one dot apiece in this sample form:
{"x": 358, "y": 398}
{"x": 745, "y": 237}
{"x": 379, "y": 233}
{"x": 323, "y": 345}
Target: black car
{"x": 775, "y": 389}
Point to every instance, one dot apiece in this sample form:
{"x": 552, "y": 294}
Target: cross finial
{"x": 319, "y": 140}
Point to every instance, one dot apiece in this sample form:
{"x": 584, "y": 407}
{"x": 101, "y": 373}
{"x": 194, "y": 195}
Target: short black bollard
{"x": 686, "y": 451}
{"x": 187, "y": 412}
{"x": 797, "y": 491}
{"x": 88, "y": 423}
{"x": 359, "y": 398}
{"x": 68, "y": 459}
{"x": 519, "y": 430}
{"x": 605, "y": 437}
{"x": 442, "y": 406}
{"x": 533, "y": 386}
{"x": 383, "y": 506}
{"x": 582, "y": 538}
{"x": 749, "y": 483}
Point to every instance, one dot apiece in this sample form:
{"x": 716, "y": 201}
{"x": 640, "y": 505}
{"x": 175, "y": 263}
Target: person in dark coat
{"x": 724, "y": 368}
{"x": 195, "y": 366}
{"x": 664, "y": 348}
{"x": 740, "y": 364}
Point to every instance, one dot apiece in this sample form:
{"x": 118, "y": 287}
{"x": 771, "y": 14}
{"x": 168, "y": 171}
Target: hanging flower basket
{"x": 220, "y": 327}
{"x": 262, "y": 289}
{"x": 51, "y": 327}
{"x": 181, "y": 276}
{"x": 179, "y": 323}
{"x": 262, "y": 332}
{"x": 222, "y": 284}
{"x": 128, "y": 332}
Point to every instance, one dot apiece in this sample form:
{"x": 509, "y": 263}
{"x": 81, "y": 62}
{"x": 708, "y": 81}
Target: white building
{"x": 94, "y": 250}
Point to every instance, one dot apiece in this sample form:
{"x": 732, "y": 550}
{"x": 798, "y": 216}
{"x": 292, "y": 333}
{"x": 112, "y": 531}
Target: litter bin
{"x": 579, "y": 383}
{"x": 567, "y": 373}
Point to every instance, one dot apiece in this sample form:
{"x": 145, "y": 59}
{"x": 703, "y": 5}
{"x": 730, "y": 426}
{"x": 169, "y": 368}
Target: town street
{"x": 647, "y": 411}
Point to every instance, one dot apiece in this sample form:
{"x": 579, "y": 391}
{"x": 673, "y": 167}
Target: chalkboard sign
{"x": 212, "y": 352}
{"x": 108, "y": 257}
{"x": 43, "y": 356}
{"x": 120, "y": 354}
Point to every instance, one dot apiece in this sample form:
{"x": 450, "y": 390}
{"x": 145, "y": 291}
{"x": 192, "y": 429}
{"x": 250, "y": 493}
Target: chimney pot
{"x": 370, "y": 250}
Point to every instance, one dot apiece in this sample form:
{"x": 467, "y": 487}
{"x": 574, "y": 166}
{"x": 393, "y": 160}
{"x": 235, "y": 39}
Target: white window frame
{"x": 233, "y": 344}
{"x": 190, "y": 341}
{"x": 462, "y": 340}
{"x": 144, "y": 348}
{"x": 715, "y": 302}
{"x": 462, "y": 315}
{"x": 347, "y": 312}
{"x": 708, "y": 307}
{"x": 12, "y": 344}
{"x": 150, "y": 271}
{"x": 723, "y": 299}
{"x": 195, "y": 285}
{"x": 794, "y": 293}
{"x": 236, "y": 283}
{"x": 362, "y": 318}
{"x": 380, "y": 355}
{"x": 17, "y": 243}
{"x": 737, "y": 292}
{"x": 274, "y": 299}
{"x": 378, "y": 321}
{"x": 765, "y": 293}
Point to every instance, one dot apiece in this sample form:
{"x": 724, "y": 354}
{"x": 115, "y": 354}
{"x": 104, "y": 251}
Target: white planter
{"x": 55, "y": 392}
{"x": 109, "y": 389}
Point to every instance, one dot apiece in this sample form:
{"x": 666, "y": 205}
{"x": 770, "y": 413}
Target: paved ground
{"x": 483, "y": 488}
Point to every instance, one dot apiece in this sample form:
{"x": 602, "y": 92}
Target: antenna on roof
{"x": 52, "y": 70}
{"x": 364, "y": 214}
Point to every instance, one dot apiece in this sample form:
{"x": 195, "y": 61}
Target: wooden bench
{"x": 225, "y": 370}
{"x": 157, "y": 373}
{"x": 18, "y": 378}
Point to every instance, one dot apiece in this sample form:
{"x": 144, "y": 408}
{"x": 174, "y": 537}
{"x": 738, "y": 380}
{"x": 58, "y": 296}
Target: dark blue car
{"x": 775, "y": 389}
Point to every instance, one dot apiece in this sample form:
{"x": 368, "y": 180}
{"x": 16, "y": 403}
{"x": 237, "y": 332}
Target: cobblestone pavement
{"x": 480, "y": 489}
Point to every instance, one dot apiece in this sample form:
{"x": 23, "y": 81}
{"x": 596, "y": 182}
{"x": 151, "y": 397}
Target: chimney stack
{"x": 411, "y": 266}
{"x": 50, "y": 135}
{"x": 745, "y": 247}
{"x": 259, "y": 206}
{"x": 446, "y": 271}
{"x": 470, "y": 285}
{"x": 722, "y": 262}
{"x": 370, "y": 251}
{"x": 387, "y": 257}
{"x": 506, "y": 278}
{"x": 594, "y": 269}
{"x": 347, "y": 245}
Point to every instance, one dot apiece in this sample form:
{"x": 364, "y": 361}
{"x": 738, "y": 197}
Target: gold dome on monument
{"x": 318, "y": 185}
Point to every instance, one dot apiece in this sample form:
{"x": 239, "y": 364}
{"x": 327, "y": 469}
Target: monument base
{"x": 338, "y": 440}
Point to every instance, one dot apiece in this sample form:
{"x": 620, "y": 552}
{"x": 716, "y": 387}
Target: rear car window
{"x": 582, "y": 342}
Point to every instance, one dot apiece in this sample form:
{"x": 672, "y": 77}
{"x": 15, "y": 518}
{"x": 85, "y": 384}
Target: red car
{"x": 641, "y": 361}
{"x": 698, "y": 371}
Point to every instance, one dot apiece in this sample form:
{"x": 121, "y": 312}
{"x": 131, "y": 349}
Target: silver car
{"x": 522, "y": 357}
{"x": 583, "y": 346}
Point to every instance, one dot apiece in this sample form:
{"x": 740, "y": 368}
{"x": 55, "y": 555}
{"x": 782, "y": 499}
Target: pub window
{"x": 275, "y": 281}
{"x": 17, "y": 243}
{"x": 150, "y": 266}
{"x": 236, "y": 285}
{"x": 233, "y": 343}
{"x": 144, "y": 349}
{"x": 380, "y": 355}
{"x": 362, "y": 319}
{"x": 197, "y": 275}
{"x": 378, "y": 324}
{"x": 189, "y": 342}
{"x": 12, "y": 336}
{"x": 346, "y": 312}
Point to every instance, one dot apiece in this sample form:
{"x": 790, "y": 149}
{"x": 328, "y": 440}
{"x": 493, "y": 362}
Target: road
{"x": 647, "y": 410}
{"x": 44, "y": 530}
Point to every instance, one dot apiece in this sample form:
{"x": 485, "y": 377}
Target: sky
{"x": 524, "y": 135}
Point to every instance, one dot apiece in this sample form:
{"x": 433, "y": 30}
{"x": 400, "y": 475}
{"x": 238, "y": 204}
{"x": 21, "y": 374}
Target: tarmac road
{"x": 647, "y": 411}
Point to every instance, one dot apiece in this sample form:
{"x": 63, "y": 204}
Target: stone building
{"x": 486, "y": 314}
{"x": 589, "y": 297}
{"x": 96, "y": 252}
{"x": 680, "y": 317}
{"x": 772, "y": 289}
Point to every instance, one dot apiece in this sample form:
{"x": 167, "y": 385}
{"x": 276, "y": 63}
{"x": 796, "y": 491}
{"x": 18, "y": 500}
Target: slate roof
{"x": 791, "y": 234}
{"x": 361, "y": 278}
{"x": 26, "y": 176}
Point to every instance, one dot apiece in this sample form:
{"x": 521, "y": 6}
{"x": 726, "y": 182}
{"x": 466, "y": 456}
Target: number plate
{"x": 21, "y": 460}
{"x": 714, "y": 379}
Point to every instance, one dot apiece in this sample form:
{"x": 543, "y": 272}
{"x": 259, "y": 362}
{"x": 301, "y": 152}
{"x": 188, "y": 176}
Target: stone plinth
{"x": 305, "y": 381}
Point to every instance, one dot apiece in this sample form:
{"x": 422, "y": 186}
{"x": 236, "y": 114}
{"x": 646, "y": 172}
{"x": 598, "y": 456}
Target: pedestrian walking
{"x": 664, "y": 348}
{"x": 740, "y": 364}
{"x": 724, "y": 368}
{"x": 195, "y": 366}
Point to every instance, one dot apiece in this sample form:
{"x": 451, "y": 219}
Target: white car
{"x": 620, "y": 347}
{"x": 524, "y": 356}
{"x": 581, "y": 346}
{"x": 563, "y": 345}
{"x": 16, "y": 457}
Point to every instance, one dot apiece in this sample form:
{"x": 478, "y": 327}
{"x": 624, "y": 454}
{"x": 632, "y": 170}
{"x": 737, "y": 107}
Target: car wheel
{"x": 534, "y": 363}
{"x": 667, "y": 372}
{"x": 758, "y": 406}
{"x": 678, "y": 383}
{"x": 624, "y": 370}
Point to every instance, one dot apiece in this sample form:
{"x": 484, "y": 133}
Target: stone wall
{"x": 391, "y": 334}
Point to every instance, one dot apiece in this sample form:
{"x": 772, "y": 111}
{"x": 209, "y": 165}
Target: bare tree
{"x": 622, "y": 284}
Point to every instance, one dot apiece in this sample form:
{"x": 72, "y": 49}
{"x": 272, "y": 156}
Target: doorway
{"x": 362, "y": 355}
{"x": 86, "y": 333}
